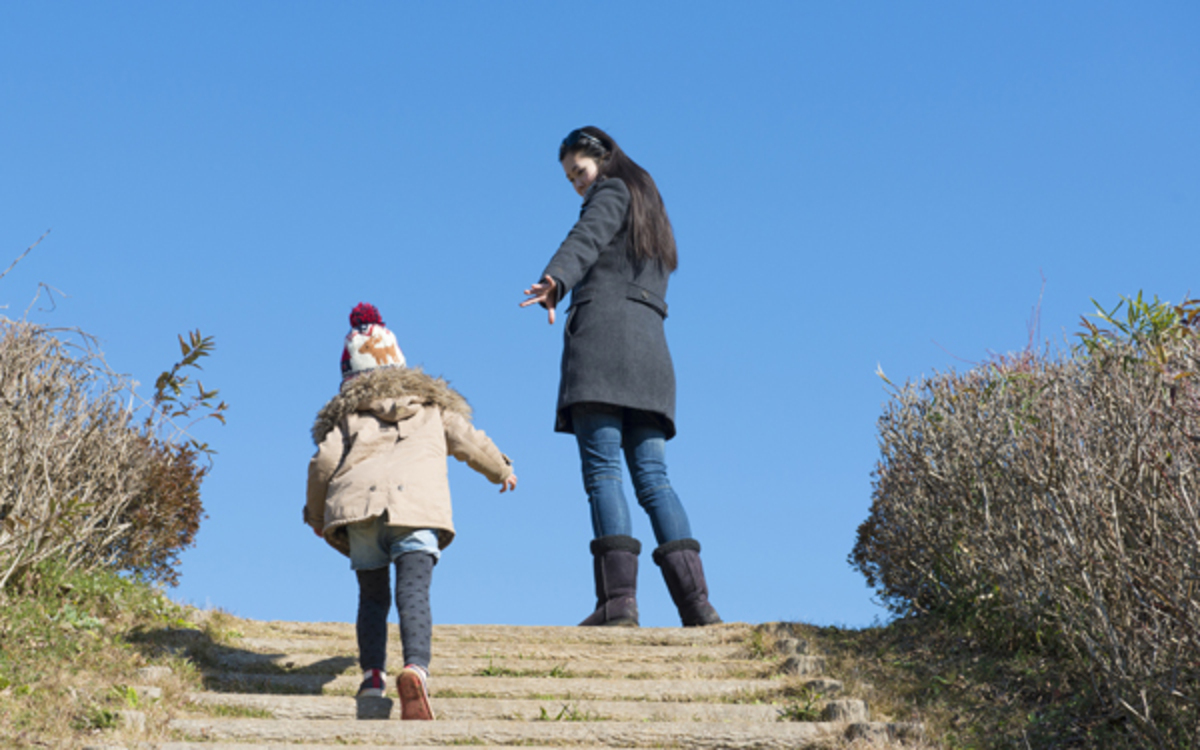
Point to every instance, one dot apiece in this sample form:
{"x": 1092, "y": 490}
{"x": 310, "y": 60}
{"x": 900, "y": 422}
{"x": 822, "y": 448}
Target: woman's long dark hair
{"x": 651, "y": 238}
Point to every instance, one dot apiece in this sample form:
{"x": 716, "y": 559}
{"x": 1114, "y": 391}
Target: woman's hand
{"x": 509, "y": 484}
{"x": 544, "y": 293}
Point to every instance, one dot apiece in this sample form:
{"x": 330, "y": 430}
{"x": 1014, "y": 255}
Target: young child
{"x": 378, "y": 492}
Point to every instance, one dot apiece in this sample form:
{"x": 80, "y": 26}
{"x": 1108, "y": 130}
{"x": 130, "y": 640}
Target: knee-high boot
{"x": 614, "y": 563}
{"x": 684, "y": 574}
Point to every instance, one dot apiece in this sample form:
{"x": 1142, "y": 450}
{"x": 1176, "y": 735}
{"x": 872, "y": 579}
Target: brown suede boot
{"x": 614, "y": 563}
{"x": 684, "y": 574}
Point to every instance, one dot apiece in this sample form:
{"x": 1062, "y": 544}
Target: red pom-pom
{"x": 363, "y": 314}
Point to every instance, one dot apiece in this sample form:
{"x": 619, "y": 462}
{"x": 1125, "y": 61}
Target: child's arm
{"x": 320, "y": 471}
{"x": 477, "y": 450}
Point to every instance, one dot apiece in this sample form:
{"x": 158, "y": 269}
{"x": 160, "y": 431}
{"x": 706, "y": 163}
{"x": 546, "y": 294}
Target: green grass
{"x": 559, "y": 671}
{"x": 69, "y": 654}
{"x": 805, "y": 707}
{"x": 229, "y": 711}
{"x": 568, "y": 713}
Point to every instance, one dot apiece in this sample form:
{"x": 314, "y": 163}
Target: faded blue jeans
{"x": 603, "y": 432}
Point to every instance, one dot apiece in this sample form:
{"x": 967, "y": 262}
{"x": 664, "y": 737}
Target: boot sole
{"x": 414, "y": 703}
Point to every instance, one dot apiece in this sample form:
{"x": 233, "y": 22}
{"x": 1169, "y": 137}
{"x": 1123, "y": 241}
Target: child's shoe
{"x": 374, "y": 684}
{"x": 414, "y": 696}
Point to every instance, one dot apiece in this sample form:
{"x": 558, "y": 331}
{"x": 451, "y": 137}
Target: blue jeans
{"x": 374, "y": 544}
{"x": 602, "y": 432}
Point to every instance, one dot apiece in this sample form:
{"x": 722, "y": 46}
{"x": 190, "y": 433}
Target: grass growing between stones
{"x": 568, "y": 713}
{"x": 70, "y": 654}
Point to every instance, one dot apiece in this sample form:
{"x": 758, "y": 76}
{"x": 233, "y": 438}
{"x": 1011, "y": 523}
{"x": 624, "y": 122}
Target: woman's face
{"x": 581, "y": 170}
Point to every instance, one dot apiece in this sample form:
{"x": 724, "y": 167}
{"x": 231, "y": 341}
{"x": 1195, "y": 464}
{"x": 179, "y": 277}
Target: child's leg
{"x": 414, "y": 572}
{"x": 374, "y": 600}
{"x": 369, "y": 560}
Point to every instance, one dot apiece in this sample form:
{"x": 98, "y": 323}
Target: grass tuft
{"x": 70, "y": 655}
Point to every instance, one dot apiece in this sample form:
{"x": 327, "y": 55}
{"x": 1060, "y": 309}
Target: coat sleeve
{"x": 602, "y": 216}
{"x": 320, "y": 470}
{"x": 475, "y": 449}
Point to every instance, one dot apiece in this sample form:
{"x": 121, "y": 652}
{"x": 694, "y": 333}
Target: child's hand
{"x": 509, "y": 484}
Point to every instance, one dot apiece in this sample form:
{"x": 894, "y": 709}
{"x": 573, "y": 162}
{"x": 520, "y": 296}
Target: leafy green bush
{"x": 1053, "y": 503}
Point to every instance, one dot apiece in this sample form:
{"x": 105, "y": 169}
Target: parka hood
{"x": 390, "y": 393}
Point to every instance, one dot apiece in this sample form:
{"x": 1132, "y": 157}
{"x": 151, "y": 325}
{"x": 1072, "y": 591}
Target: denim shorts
{"x": 374, "y": 544}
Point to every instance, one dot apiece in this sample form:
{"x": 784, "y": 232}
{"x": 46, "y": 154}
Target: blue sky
{"x": 852, "y": 185}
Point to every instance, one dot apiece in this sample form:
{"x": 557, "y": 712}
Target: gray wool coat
{"x": 614, "y": 346}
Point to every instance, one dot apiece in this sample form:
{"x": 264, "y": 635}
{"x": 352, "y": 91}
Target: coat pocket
{"x": 646, "y": 297}
{"x": 573, "y": 312}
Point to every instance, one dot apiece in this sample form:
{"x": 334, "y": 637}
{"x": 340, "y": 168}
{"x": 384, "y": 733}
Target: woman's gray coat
{"x": 614, "y": 347}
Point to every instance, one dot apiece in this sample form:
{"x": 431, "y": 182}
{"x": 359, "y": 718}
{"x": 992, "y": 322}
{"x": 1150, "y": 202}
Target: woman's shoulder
{"x": 608, "y": 188}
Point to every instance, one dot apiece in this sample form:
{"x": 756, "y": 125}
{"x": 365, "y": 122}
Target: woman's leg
{"x": 678, "y": 554}
{"x": 614, "y": 551}
{"x": 646, "y": 454}
{"x": 598, "y": 432}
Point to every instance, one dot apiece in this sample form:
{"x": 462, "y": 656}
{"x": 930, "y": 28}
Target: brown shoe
{"x": 414, "y": 696}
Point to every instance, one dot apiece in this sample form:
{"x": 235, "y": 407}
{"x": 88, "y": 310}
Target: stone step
{"x": 516, "y": 649}
{"x": 498, "y": 665}
{"x": 725, "y": 736}
{"x": 313, "y": 707}
{"x": 524, "y": 635}
{"x": 545, "y": 688}
{"x": 310, "y": 746}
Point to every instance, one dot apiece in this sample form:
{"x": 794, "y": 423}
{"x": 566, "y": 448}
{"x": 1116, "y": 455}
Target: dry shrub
{"x": 1053, "y": 503}
{"x": 81, "y": 481}
{"x": 164, "y": 515}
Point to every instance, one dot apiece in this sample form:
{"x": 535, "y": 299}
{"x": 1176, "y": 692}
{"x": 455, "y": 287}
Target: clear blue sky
{"x": 852, "y": 184}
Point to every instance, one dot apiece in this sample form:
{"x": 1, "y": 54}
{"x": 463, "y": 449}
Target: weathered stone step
{"x": 308, "y": 647}
{"x": 310, "y": 746}
{"x": 524, "y": 634}
{"x": 765, "y": 736}
{"x": 615, "y": 667}
{"x": 313, "y": 707}
{"x": 523, "y": 687}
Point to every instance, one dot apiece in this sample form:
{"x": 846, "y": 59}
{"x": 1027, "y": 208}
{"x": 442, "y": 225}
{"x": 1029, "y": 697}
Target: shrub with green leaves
{"x": 1052, "y": 502}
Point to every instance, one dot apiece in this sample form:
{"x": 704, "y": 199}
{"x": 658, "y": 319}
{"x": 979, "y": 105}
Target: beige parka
{"x": 382, "y": 444}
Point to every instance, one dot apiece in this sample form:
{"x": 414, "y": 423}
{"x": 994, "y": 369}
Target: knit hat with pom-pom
{"x": 369, "y": 344}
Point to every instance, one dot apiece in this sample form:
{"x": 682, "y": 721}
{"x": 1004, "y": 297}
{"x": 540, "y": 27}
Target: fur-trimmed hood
{"x": 390, "y": 393}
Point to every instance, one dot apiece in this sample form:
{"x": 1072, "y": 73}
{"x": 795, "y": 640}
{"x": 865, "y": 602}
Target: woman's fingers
{"x": 543, "y": 293}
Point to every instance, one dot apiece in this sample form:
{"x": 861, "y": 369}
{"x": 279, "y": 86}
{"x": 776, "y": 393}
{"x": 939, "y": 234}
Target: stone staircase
{"x": 291, "y": 685}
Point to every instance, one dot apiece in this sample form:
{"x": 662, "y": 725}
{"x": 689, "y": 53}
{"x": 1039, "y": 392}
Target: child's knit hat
{"x": 369, "y": 344}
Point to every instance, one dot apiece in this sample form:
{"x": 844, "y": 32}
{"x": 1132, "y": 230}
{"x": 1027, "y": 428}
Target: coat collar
{"x": 357, "y": 394}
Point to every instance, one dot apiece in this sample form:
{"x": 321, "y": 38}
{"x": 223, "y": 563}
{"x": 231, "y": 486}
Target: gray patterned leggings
{"x": 414, "y": 571}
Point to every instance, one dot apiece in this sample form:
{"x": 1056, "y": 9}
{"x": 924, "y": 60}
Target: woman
{"x": 617, "y": 389}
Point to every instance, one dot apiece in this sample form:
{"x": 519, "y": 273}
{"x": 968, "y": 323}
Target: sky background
{"x": 853, "y": 185}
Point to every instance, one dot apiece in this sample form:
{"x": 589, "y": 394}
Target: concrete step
{"x": 315, "y": 707}
{"x": 290, "y": 685}
{"x": 620, "y": 665}
{"x": 544, "y": 688}
{"x": 310, "y": 746}
{"x": 701, "y": 734}
{"x": 524, "y": 635}
{"x": 514, "y": 649}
